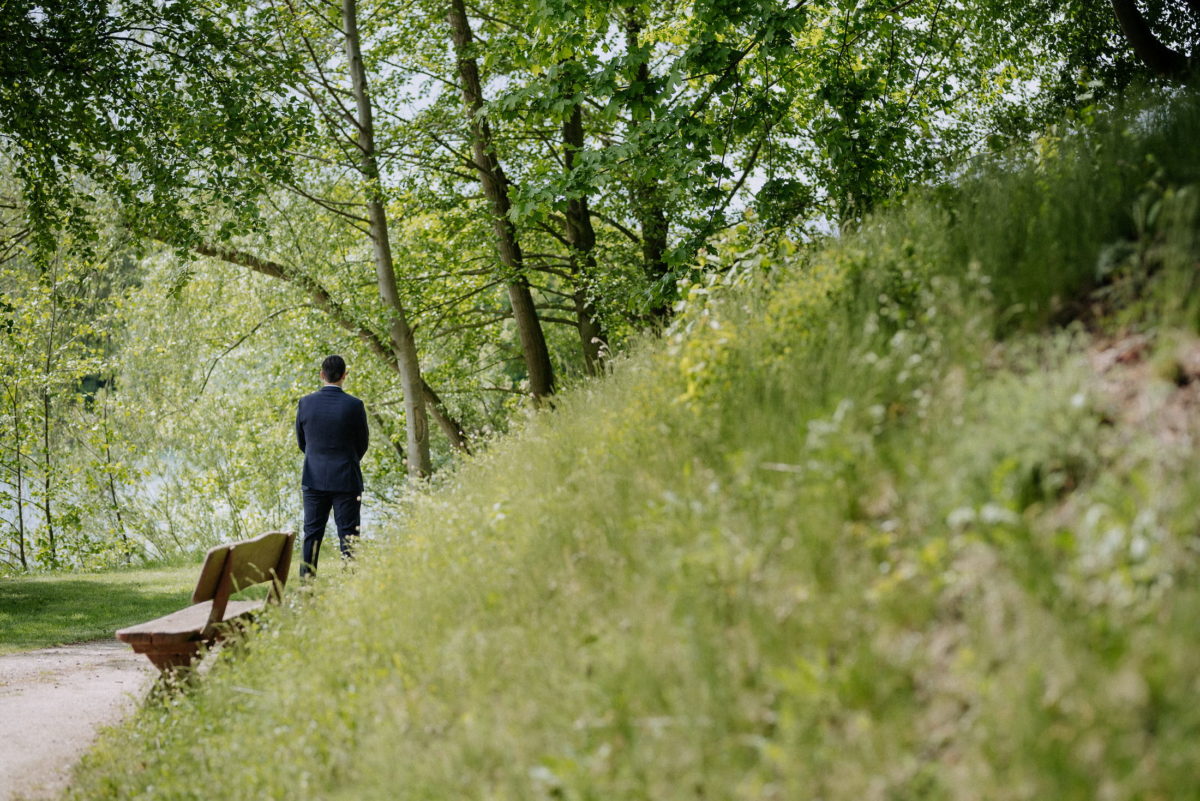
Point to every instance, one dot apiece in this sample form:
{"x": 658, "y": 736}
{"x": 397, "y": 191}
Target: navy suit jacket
{"x": 331, "y": 430}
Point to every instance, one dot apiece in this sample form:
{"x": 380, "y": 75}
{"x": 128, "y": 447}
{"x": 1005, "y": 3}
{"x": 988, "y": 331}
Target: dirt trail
{"x": 52, "y": 702}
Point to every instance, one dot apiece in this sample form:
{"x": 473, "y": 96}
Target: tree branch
{"x": 1149, "y": 48}
{"x": 354, "y": 219}
{"x": 637, "y": 240}
{"x": 239, "y": 341}
{"x": 324, "y": 301}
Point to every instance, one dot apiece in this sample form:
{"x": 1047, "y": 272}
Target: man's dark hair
{"x": 333, "y": 368}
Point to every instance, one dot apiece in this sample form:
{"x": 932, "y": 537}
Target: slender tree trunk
{"x": 47, "y": 472}
{"x": 495, "y": 188}
{"x": 399, "y": 330}
{"x": 20, "y": 476}
{"x": 112, "y": 482}
{"x": 47, "y": 462}
{"x": 644, "y": 192}
{"x": 652, "y": 220}
{"x": 581, "y": 236}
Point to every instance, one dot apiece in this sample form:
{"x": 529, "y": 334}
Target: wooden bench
{"x": 173, "y": 640}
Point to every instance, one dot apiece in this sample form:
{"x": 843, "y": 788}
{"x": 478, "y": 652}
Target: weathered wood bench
{"x": 174, "y": 640}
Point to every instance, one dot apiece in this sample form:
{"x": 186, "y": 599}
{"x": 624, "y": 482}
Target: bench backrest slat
{"x": 267, "y": 557}
{"x": 231, "y": 568}
{"x": 255, "y": 561}
{"x": 210, "y": 574}
{"x": 251, "y": 562}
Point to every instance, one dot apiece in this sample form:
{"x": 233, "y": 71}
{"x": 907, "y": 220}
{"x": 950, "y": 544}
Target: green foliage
{"x": 229, "y": 125}
{"x": 153, "y": 424}
{"x": 832, "y": 538}
{"x": 206, "y": 404}
{"x": 175, "y": 109}
{"x": 53, "y": 320}
{"x": 689, "y": 114}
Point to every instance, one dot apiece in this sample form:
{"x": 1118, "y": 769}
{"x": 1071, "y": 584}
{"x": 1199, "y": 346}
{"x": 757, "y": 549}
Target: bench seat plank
{"x": 183, "y": 626}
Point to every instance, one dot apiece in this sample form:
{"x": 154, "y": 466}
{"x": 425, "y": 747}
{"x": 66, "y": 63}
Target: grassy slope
{"x": 830, "y": 540}
{"x": 41, "y": 611}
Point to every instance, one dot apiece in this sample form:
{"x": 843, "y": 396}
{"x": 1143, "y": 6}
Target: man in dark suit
{"x": 331, "y": 430}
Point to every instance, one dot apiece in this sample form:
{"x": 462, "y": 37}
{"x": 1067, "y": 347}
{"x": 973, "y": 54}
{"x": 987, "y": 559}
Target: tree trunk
{"x": 47, "y": 460}
{"x": 47, "y": 473}
{"x": 112, "y": 482}
{"x": 644, "y": 193}
{"x": 495, "y": 188}
{"x": 1153, "y": 53}
{"x": 20, "y": 487}
{"x": 652, "y": 220}
{"x": 400, "y": 332}
{"x": 581, "y": 236}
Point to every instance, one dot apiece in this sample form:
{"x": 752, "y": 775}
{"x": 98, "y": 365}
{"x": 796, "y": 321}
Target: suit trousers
{"x": 346, "y": 508}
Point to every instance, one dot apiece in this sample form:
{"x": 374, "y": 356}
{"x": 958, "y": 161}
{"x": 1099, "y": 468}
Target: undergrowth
{"x": 863, "y": 525}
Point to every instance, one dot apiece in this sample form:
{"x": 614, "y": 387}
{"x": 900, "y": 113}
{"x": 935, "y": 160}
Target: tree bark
{"x": 399, "y": 330}
{"x": 47, "y": 476}
{"x": 20, "y": 487}
{"x": 495, "y": 189}
{"x": 112, "y": 483}
{"x": 644, "y": 192}
{"x": 1154, "y": 54}
{"x": 581, "y": 237}
{"x": 47, "y": 461}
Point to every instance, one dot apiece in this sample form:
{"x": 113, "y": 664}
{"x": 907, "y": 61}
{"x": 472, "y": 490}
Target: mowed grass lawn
{"x": 47, "y": 610}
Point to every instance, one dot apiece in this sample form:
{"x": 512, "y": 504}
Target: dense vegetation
{"x": 904, "y": 516}
{"x": 479, "y": 204}
{"x": 770, "y": 398}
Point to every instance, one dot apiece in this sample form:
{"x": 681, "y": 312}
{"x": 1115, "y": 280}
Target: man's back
{"x": 331, "y": 429}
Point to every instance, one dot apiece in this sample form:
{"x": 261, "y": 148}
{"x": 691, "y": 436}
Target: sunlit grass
{"x": 42, "y": 611}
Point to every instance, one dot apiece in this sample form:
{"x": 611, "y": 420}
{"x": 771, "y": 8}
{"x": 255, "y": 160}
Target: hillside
{"x": 911, "y": 516}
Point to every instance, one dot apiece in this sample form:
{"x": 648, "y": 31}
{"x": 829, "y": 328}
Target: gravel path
{"x": 52, "y": 702}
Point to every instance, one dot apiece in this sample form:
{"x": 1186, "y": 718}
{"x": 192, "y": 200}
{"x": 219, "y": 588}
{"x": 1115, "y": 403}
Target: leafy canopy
{"x": 169, "y": 106}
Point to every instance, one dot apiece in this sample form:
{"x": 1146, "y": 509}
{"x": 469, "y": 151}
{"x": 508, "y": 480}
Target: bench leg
{"x": 171, "y": 657}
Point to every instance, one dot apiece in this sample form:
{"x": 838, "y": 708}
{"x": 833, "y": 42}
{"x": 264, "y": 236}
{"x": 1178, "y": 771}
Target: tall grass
{"x": 859, "y": 527}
